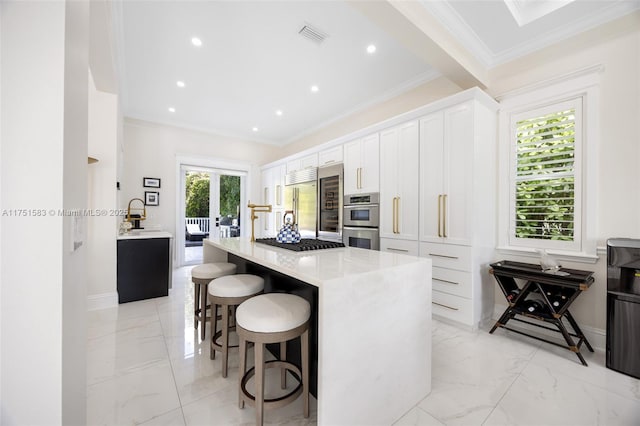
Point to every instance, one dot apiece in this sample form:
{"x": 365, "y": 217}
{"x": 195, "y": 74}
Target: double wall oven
{"x": 361, "y": 221}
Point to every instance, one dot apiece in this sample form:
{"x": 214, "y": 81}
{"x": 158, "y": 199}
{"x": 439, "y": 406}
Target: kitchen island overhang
{"x": 373, "y": 324}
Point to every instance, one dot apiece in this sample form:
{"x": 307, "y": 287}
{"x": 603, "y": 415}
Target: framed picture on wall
{"x": 151, "y": 182}
{"x": 151, "y": 198}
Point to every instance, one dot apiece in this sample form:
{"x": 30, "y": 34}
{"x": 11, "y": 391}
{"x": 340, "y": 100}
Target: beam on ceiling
{"x": 420, "y": 32}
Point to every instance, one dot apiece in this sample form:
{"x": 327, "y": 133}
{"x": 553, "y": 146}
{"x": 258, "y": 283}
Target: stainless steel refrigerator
{"x": 301, "y": 197}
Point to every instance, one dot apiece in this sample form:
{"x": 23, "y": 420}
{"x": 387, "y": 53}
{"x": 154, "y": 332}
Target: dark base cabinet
{"x": 623, "y": 334}
{"x": 144, "y": 268}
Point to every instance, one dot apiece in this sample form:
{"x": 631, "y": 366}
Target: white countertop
{"x": 317, "y": 266}
{"x": 141, "y": 235}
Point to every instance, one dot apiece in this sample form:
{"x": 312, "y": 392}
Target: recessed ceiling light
{"x": 314, "y": 88}
{"x": 255, "y": 129}
{"x": 371, "y": 48}
{"x": 172, "y": 109}
{"x": 196, "y": 41}
{"x": 279, "y": 112}
{"x": 180, "y": 83}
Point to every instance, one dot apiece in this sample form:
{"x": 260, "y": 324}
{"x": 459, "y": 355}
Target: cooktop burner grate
{"x": 305, "y": 244}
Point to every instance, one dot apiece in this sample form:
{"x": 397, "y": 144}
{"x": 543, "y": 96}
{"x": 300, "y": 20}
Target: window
{"x": 547, "y": 185}
{"x": 548, "y": 169}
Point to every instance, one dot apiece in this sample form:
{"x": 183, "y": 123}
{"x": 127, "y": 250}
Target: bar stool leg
{"x": 214, "y": 328}
{"x": 259, "y": 380}
{"x": 283, "y": 372}
{"x": 225, "y": 339}
{"x": 203, "y": 310}
{"x": 242, "y": 346}
{"x": 305, "y": 371}
{"x": 196, "y": 304}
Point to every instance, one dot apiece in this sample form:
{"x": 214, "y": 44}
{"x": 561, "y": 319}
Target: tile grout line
{"x": 173, "y": 374}
{"x": 511, "y": 385}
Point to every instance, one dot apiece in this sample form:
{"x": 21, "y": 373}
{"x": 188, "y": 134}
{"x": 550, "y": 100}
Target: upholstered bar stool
{"x": 227, "y": 293}
{"x": 273, "y": 318}
{"x": 201, "y": 276}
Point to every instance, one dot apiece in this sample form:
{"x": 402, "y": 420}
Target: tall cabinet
{"x": 458, "y": 206}
{"x": 268, "y": 224}
{"x": 399, "y": 165}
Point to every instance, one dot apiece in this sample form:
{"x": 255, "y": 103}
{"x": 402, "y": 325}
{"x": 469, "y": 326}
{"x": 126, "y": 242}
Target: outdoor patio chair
{"x": 194, "y": 233}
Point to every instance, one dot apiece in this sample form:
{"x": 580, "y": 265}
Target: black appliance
{"x": 623, "y": 305}
{"x": 305, "y": 244}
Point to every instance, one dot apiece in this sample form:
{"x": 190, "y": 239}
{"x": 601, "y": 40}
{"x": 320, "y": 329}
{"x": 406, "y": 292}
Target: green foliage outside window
{"x": 545, "y": 183}
{"x": 229, "y": 196}
{"x": 197, "y": 202}
{"x": 197, "y": 190}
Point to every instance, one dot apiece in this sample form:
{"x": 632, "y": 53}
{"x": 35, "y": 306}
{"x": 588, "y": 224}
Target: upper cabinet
{"x": 330, "y": 156}
{"x": 399, "y": 164}
{"x": 362, "y": 165}
{"x": 302, "y": 162}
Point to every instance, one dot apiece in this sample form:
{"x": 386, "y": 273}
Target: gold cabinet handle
{"x": 278, "y": 195}
{"x": 395, "y": 213}
{"x": 445, "y": 281}
{"x": 444, "y": 306}
{"x": 444, "y": 215}
{"x": 398, "y": 215}
{"x": 439, "y": 215}
{"x": 359, "y": 177}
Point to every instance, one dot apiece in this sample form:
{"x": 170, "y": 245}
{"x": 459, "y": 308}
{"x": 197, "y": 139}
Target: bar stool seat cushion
{"x": 213, "y": 270}
{"x": 273, "y": 313}
{"x": 240, "y": 285}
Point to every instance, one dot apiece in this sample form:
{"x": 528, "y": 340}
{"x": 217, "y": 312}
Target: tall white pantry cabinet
{"x": 458, "y": 206}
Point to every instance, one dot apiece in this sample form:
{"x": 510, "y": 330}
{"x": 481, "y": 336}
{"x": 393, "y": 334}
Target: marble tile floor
{"x": 146, "y": 365}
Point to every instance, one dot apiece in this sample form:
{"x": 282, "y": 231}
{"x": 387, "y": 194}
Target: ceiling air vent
{"x": 313, "y": 34}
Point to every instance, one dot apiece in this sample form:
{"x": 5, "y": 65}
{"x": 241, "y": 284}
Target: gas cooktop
{"x": 305, "y": 244}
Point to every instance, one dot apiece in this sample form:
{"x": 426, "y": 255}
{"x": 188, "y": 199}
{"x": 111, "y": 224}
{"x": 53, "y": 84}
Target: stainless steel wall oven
{"x": 361, "y": 221}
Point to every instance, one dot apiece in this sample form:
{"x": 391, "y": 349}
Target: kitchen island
{"x": 371, "y": 323}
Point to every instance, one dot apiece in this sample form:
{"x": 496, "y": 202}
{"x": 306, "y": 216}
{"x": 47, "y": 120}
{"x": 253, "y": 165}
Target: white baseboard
{"x": 102, "y": 301}
{"x": 596, "y": 336}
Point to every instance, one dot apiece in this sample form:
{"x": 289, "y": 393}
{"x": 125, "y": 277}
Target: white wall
{"x": 150, "y": 150}
{"x": 424, "y": 94}
{"x": 101, "y": 230}
{"x": 617, "y": 47}
{"x": 44, "y": 159}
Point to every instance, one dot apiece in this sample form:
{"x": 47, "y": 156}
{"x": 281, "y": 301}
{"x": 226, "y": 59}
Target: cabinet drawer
{"x": 453, "y": 282}
{"x": 452, "y": 307}
{"x": 392, "y": 245}
{"x": 447, "y": 255}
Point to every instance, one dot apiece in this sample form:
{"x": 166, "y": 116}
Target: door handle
{"x": 439, "y": 215}
{"x": 444, "y": 215}
{"x": 398, "y": 215}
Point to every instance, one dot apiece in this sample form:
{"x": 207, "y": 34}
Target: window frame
{"x": 583, "y": 85}
{"x": 576, "y": 104}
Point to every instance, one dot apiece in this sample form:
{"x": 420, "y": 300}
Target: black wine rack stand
{"x": 545, "y": 297}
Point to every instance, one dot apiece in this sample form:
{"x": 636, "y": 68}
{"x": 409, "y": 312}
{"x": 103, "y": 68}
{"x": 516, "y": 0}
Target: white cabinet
{"x": 446, "y": 175}
{"x": 268, "y": 224}
{"x": 362, "y": 165}
{"x": 399, "y": 163}
{"x": 457, "y": 207}
{"x": 330, "y": 156}
{"x": 302, "y": 162}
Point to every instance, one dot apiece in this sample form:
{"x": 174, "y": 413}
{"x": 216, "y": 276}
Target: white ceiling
{"x": 253, "y": 61}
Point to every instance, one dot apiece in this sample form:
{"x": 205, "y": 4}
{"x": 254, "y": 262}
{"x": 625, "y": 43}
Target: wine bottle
{"x": 534, "y": 306}
{"x": 513, "y": 295}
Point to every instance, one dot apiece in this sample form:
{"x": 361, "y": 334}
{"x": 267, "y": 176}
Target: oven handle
{"x": 357, "y": 206}
{"x": 360, "y": 228}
